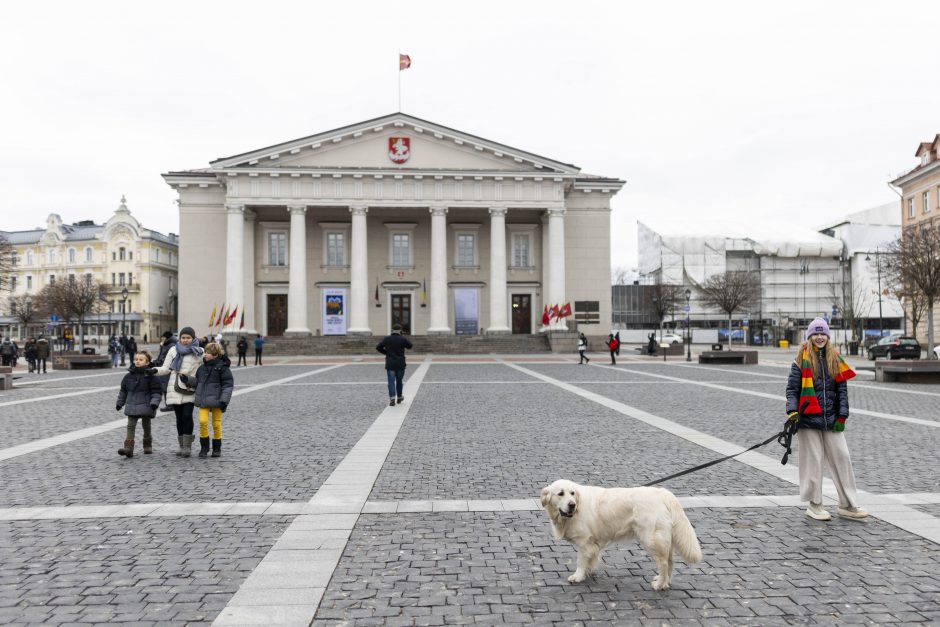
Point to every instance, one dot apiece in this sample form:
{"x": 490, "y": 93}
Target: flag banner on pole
{"x": 545, "y": 318}
{"x": 424, "y": 291}
{"x": 565, "y": 311}
{"x": 222, "y": 316}
{"x": 231, "y": 317}
{"x": 404, "y": 62}
{"x": 554, "y": 312}
{"x": 376, "y": 290}
{"x": 242, "y": 323}
{"x": 212, "y": 317}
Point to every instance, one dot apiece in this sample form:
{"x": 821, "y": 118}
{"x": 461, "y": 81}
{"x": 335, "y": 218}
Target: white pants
{"x": 829, "y": 449}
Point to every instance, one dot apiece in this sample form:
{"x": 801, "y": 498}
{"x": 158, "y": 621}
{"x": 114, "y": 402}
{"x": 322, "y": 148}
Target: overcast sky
{"x": 747, "y": 110}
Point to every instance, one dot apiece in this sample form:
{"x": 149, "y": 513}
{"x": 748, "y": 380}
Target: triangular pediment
{"x": 371, "y": 145}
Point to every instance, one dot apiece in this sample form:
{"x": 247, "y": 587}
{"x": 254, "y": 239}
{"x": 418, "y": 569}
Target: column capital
{"x": 438, "y": 211}
{"x": 555, "y": 212}
{"x": 234, "y": 208}
{"x": 499, "y": 212}
{"x": 297, "y": 209}
{"x": 249, "y": 215}
{"x": 358, "y": 210}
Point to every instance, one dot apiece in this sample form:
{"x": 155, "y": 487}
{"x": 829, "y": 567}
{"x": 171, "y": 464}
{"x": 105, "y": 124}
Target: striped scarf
{"x": 808, "y": 392}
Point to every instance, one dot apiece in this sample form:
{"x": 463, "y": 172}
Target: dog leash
{"x": 784, "y": 438}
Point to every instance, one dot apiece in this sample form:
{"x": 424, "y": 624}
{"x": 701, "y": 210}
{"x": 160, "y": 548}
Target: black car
{"x": 895, "y": 347}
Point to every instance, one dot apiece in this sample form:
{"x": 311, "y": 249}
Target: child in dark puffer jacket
{"x": 214, "y": 386}
{"x": 139, "y": 396}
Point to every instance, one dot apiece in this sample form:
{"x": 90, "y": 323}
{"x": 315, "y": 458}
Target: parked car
{"x": 670, "y": 338}
{"x": 895, "y": 347}
{"x": 936, "y": 351}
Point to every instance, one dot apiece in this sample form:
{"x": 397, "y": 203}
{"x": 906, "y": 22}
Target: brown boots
{"x": 148, "y": 446}
{"x": 128, "y": 450}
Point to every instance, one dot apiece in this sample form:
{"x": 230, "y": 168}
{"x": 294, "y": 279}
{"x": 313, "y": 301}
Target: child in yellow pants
{"x": 214, "y": 386}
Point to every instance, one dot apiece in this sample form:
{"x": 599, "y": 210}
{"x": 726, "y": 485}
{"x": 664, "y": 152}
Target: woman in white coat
{"x": 184, "y": 358}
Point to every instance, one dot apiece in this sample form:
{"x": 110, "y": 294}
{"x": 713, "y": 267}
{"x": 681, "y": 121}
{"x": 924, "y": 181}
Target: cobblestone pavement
{"x": 328, "y": 507}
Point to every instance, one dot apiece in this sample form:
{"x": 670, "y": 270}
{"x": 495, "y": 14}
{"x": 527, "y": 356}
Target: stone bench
{"x": 908, "y": 371}
{"x": 671, "y": 349}
{"x": 6, "y": 377}
{"x": 84, "y": 362}
{"x": 727, "y": 357}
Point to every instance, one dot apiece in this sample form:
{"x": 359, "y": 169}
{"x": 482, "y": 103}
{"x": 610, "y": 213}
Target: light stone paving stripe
{"x": 23, "y": 401}
{"x": 775, "y": 397}
{"x": 300, "y": 572}
{"x": 43, "y": 379}
{"x": 899, "y": 515}
{"x": 330, "y": 527}
{"x": 71, "y": 436}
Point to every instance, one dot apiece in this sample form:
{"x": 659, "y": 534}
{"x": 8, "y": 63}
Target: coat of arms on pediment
{"x": 399, "y": 149}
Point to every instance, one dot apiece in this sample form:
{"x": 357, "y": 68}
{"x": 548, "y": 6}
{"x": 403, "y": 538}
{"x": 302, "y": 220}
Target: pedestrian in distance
{"x": 651, "y": 344}
{"x": 139, "y": 396}
{"x": 182, "y": 360}
{"x": 617, "y": 337}
{"x": 613, "y": 345}
{"x": 31, "y": 353}
{"x": 114, "y": 350}
{"x": 214, "y": 385}
{"x": 818, "y": 400}
{"x": 393, "y": 347}
{"x": 259, "y": 345}
{"x": 582, "y": 348}
{"x": 131, "y": 346}
{"x": 42, "y": 353}
{"x": 7, "y": 351}
{"x": 167, "y": 341}
{"x": 242, "y": 347}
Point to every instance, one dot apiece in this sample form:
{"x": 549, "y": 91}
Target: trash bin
{"x": 853, "y": 348}
{"x": 88, "y": 350}
{"x": 784, "y": 344}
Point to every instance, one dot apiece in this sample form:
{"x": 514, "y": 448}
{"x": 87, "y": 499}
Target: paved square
{"x": 328, "y": 507}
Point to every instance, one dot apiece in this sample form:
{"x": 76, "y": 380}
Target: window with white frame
{"x": 521, "y": 250}
{"x": 277, "y": 249}
{"x": 122, "y": 253}
{"x": 335, "y": 249}
{"x": 130, "y": 278}
{"x": 88, "y": 279}
{"x": 12, "y": 282}
{"x": 926, "y": 196}
{"x": 29, "y": 281}
{"x": 51, "y": 256}
{"x": 51, "y": 279}
{"x": 466, "y": 249}
{"x": 121, "y": 277}
{"x": 910, "y": 207}
{"x": 156, "y": 255}
{"x": 71, "y": 255}
{"x": 71, "y": 279}
{"x": 401, "y": 249}
{"x": 29, "y": 257}
{"x": 89, "y": 255}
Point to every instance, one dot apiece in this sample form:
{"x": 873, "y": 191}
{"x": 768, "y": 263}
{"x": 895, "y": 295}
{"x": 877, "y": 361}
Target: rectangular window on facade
{"x": 926, "y": 206}
{"x": 465, "y": 249}
{"x": 156, "y": 255}
{"x": 113, "y": 279}
{"x": 122, "y": 254}
{"x": 88, "y": 280}
{"x": 51, "y": 279}
{"x": 71, "y": 255}
{"x": 910, "y": 207}
{"x": 520, "y": 251}
{"x": 13, "y": 283}
{"x": 335, "y": 249}
{"x": 401, "y": 249}
{"x": 121, "y": 279}
{"x": 71, "y": 279}
{"x": 29, "y": 281}
{"x": 130, "y": 278}
{"x": 277, "y": 249}
{"x": 88, "y": 255}
{"x": 130, "y": 255}
{"x": 13, "y": 258}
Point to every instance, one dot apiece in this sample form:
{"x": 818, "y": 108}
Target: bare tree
{"x": 664, "y": 300}
{"x": 916, "y": 266}
{"x": 72, "y": 300}
{"x": 730, "y": 292}
{"x": 852, "y": 304}
{"x": 622, "y": 275}
{"x": 24, "y": 309}
{"x": 7, "y": 253}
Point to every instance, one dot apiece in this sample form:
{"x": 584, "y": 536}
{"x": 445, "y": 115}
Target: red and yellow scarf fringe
{"x": 808, "y": 392}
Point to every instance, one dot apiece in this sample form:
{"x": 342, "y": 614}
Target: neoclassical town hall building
{"x": 395, "y": 219}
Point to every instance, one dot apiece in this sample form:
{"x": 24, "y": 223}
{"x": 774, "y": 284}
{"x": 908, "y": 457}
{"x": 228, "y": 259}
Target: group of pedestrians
{"x": 195, "y": 376}
{"x": 36, "y": 351}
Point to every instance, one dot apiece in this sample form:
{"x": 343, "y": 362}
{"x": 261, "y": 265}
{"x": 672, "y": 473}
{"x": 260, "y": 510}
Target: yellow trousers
{"x": 216, "y": 422}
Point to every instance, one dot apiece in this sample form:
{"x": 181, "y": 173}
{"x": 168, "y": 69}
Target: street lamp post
{"x": 688, "y": 326}
{"x": 881, "y": 323}
{"x": 160, "y": 321}
{"x": 123, "y": 323}
{"x": 804, "y": 270}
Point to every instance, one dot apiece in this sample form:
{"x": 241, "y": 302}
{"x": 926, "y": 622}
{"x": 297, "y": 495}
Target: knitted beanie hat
{"x": 191, "y": 333}
{"x": 819, "y": 325}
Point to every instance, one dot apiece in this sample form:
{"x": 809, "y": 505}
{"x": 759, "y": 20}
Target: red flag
{"x": 565, "y": 311}
{"x": 545, "y": 318}
{"x": 554, "y": 312}
{"x": 223, "y": 314}
{"x": 229, "y": 319}
{"x": 404, "y": 62}
{"x": 242, "y": 324}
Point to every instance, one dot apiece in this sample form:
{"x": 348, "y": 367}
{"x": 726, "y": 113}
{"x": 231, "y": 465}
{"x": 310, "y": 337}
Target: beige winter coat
{"x": 189, "y": 367}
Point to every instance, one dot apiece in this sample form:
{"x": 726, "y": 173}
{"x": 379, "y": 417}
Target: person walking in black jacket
{"x": 393, "y": 347}
{"x": 139, "y": 396}
{"x": 214, "y": 385}
{"x": 242, "y": 347}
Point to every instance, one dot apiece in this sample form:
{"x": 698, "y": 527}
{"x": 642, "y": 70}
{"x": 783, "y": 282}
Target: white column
{"x": 556, "y": 262}
{"x": 297, "y": 273}
{"x": 249, "y": 291}
{"x": 498, "y": 310}
{"x": 439, "y": 271}
{"x": 359, "y": 275}
{"x": 234, "y": 261}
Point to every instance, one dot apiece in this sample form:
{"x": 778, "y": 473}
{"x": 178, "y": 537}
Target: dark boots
{"x": 217, "y": 448}
{"x": 203, "y": 447}
{"x": 148, "y": 446}
{"x": 128, "y": 450}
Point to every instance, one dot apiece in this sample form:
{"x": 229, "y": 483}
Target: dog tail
{"x": 684, "y": 539}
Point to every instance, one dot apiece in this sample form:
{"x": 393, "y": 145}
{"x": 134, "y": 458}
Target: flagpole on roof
{"x": 399, "y": 80}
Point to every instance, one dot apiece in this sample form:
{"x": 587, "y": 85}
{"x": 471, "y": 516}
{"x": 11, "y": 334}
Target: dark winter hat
{"x": 396, "y": 328}
{"x": 819, "y": 325}
{"x": 167, "y": 334}
{"x": 192, "y": 333}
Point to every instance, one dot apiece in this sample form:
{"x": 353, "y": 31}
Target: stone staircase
{"x": 423, "y": 344}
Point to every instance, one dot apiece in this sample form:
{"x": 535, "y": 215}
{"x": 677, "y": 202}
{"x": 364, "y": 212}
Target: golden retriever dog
{"x": 590, "y": 518}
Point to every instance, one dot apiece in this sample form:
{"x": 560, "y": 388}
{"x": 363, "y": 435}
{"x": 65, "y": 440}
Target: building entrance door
{"x": 522, "y": 313}
{"x": 401, "y": 311}
{"x": 277, "y": 314}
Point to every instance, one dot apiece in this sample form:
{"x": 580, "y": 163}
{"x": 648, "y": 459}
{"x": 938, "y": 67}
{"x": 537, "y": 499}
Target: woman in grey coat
{"x": 139, "y": 396}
